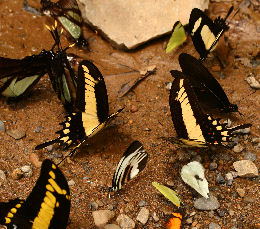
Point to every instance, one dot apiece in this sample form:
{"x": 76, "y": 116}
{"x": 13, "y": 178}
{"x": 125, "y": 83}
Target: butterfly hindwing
{"x": 132, "y": 162}
{"x": 48, "y": 204}
{"x": 206, "y": 87}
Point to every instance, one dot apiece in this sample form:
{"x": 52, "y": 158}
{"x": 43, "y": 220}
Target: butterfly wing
{"x": 175, "y": 221}
{"x": 206, "y": 87}
{"x": 19, "y": 76}
{"x": 132, "y": 162}
{"x": 47, "y": 206}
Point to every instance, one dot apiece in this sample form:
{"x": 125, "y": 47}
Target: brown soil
{"x": 22, "y": 34}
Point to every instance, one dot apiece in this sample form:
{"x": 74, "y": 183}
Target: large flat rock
{"x": 128, "y": 24}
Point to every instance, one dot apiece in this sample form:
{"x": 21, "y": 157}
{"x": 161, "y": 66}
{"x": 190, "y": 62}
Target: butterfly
{"x": 19, "y": 76}
{"x": 132, "y": 162}
{"x": 206, "y": 87}
{"x": 47, "y": 206}
{"x": 175, "y": 221}
{"x": 193, "y": 127}
{"x": 67, "y": 13}
{"x": 193, "y": 175}
{"x": 92, "y": 113}
{"x": 204, "y": 32}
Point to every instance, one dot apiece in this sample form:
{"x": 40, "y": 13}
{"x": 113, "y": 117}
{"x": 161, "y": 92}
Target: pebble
{"x": 189, "y": 221}
{"x": 34, "y": 158}
{"x": 220, "y": 179}
{"x": 214, "y": 226}
{"x": 49, "y": 148}
{"x": 93, "y": 206}
{"x": 38, "y": 129}
{"x": 71, "y": 182}
{"x": 155, "y": 217}
{"x": 241, "y": 192}
{"x": 256, "y": 140}
{"x": 112, "y": 226}
{"x": 250, "y": 156}
{"x": 125, "y": 222}
{"x": 245, "y": 168}
{"x": 147, "y": 129}
{"x": 134, "y": 108}
{"x": 27, "y": 171}
{"x": 143, "y": 215}
{"x": 251, "y": 80}
{"x": 2, "y": 177}
{"x": 228, "y": 122}
{"x": 16, "y": 134}
{"x": 238, "y": 148}
{"x": 102, "y": 217}
{"x": 207, "y": 204}
{"x": 213, "y": 166}
{"x": 17, "y": 174}
{"x": 2, "y": 126}
{"x": 168, "y": 86}
{"x": 242, "y": 131}
{"x": 229, "y": 178}
{"x": 142, "y": 203}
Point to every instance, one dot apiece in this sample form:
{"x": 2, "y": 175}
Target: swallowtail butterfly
{"x": 93, "y": 110}
{"x": 205, "y": 33}
{"x": 132, "y": 162}
{"x": 67, "y": 13}
{"x": 193, "y": 127}
{"x": 47, "y": 206}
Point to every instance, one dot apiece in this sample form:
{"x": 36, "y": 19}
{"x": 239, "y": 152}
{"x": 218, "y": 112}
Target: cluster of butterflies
{"x": 48, "y": 204}
{"x": 84, "y": 96}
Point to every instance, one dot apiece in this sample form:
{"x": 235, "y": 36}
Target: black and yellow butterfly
{"x": 19, "y": 76}
{"x": 47, "y": 206}
{"x": 67, "y": 13}
{"x": 205, "y": 33}
{"x": 132, "y": 162}
{"x": 193, "y": 127}
{"x": 206, "y": 87}
{"x": 93, "y": 110}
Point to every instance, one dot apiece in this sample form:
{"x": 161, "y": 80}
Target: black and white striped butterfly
{"x": 132, "y": 162}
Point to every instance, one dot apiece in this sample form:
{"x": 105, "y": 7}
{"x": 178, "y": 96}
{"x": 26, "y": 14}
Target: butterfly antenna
{"x": 229, "y": 12}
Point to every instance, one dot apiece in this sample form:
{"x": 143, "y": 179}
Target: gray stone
{"x": 207, "y": 204}
{"x": 220, "y": 179}
{"x": 38, "y": 129}
{"x": 213, "y": 166}
{"x": 168, "y": 86}
{"x": 238, "y": 148}
{"x": 214, "y": 226}
{"x": 251, "y": 80}
{"x": 125, "y": 222}
{"x": 128, "y": 24}
{"x": 142, "y": 203}
{"x": 250, "y": 156}
{"x": 228, "y": 122}
{"x": 102, "y": 217}
{"x": 27, "y": 171}
{"x": 16, "y": 134}
{"x": 2, "y": 126}
{"x": 155, "y": 217}
{"x": 93, "y": 205}
{"x": 245, "y": 168}
{"x": 112, "y": 226}
{"x": 71, "y": 182}
{"x": 229, "y": 178}
{"x": 143, "y": 215}
{"x": 49, "y": 148}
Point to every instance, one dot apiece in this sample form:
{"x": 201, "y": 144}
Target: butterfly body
{"x": 47, "y": 206}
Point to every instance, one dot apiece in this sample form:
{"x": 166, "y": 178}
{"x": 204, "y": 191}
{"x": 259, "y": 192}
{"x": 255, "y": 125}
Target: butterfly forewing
{"x": 47, "y": 206}
{"x": 206, "y": 87}
{"x": 132, "y": 162}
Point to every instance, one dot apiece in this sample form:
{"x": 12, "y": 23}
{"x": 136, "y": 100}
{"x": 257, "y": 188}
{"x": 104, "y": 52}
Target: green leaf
{"x": 177, "y": 38}
{"x": 168, "y": 193}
